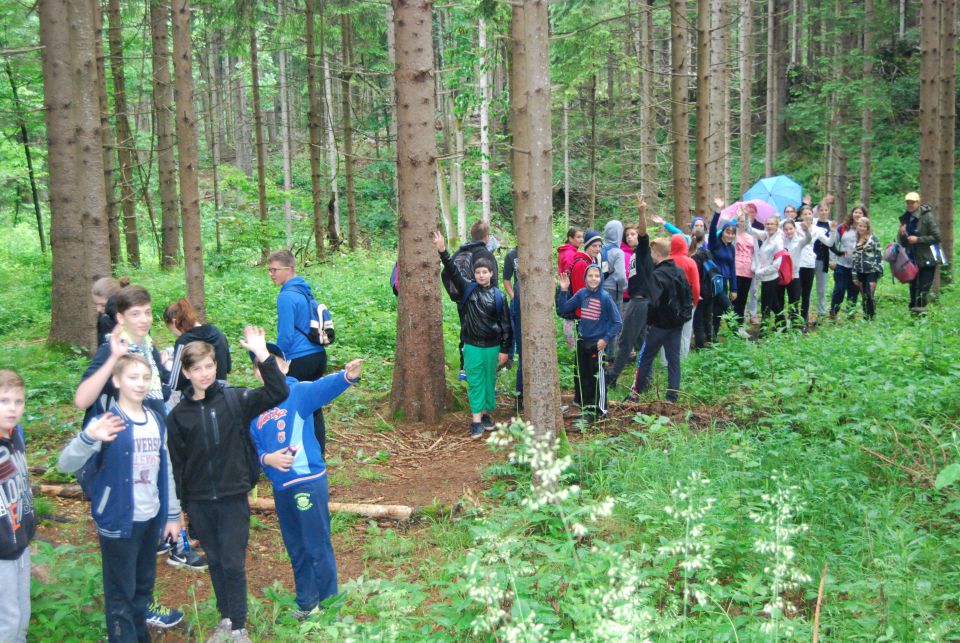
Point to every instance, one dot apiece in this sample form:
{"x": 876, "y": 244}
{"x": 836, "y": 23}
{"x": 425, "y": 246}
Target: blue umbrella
{"x": 779, "y": 191}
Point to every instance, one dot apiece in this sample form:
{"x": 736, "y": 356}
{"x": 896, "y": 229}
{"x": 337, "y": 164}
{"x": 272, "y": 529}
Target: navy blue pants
{"x": 515, "y": 323}
{"x": 223, "y": 526}
{"x": 843, "y": 286}
{"x": 129, "y": 571}
{"x": 669, "y": 340}
{"x": 304, "y": 515}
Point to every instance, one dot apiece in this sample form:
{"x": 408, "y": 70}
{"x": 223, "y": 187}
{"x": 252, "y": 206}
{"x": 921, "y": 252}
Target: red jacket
{"x": 678, "y": 252}
{"x": 565, "y": 256}
{"x": 577, "y": 271}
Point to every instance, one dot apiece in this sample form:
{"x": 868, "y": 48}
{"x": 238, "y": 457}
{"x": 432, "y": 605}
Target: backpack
{"x": 462, "y": 260}
{"x": 786, "y": 268}
{"x": 320, "y": 320}
{"x": 903, "y": 269}
{"x": 571, "y": 315}
{"x": 231, "y": 396}
{"x": 676, "y": 301}
{"x": 605, "y": 269}
{"x": 711, "y": 279}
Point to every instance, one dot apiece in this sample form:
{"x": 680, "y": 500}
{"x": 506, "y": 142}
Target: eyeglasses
{"x": 273, "y": 271}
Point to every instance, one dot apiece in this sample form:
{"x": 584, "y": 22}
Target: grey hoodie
{"x": 615, "y": 270}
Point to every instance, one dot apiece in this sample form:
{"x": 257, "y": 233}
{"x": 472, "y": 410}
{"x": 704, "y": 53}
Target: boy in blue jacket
{"x": 133, "y": 498}
{"x": 599, "y": 325}
{"x": 291, "y": 457}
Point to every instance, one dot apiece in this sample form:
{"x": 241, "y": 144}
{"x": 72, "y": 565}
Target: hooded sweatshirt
{"x": 599, "y": 316}
{"x": 615, "y": 270}
{"x": 565, "y": 255}
{"x": 18, "y": 521}
{"x": 678, "y": 252}
{"x": 724, "y": 254}
{"x": 293, "y": 320}
{"x": 205, "y": 333}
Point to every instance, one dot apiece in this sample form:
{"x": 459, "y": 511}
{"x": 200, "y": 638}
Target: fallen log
{"x": 389, "y": 512}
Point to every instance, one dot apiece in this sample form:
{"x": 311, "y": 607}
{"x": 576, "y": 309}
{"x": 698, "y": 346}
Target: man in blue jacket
{"x": 307, "y": 360}
{"x": 291, "y": 457}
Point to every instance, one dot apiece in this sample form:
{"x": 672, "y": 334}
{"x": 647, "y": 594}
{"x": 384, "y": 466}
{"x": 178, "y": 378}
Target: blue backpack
{"x": 714, "y": 278}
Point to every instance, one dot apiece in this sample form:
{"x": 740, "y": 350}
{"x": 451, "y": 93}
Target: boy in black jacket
{"x": 486, "y": 333}
{"x": 215, "y": 465}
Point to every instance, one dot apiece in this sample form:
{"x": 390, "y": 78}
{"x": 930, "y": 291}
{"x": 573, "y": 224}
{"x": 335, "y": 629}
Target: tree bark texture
{"x": 313, "y": 125}
{"x": 285, "y": 138}
{"x": 930, "y": 102}
{"x": 28, "y": 155}
{"x": 533, "y": 197}
{"x": 333, "y": 229}
{"x": 483, "y": 74}
{"x": 108, "y": 143}
{"x": 346, "y": 39}
{"x": 163, "y": 119}
{"x": 948, "y": 120}
{"x": 679, "y": 110}
{"x": 704, "y": 110}
{"x": 260, "y": 144}
{"x": 186, "y": 118}
{"x": 125, "y": 140}
{"x": 866, "y": 123}
{"x": 78, "y": 228}
{"x": 419, "y": 392}
{"x": 648, "y": 107}
{"x": 746, "y": 91}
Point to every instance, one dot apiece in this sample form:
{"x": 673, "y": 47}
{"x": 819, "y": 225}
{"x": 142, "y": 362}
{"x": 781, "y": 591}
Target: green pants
{"x": 481, "y": 367}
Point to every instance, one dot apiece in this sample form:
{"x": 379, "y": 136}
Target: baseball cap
{"x": 272, "y": 348}
{"x": 912, "y": 196}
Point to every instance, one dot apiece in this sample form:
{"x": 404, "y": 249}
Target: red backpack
{"x": 786, "y": 268}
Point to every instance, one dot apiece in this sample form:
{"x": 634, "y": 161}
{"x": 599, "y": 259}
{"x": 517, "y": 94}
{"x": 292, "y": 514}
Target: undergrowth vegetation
{"x": 818, "y": 462}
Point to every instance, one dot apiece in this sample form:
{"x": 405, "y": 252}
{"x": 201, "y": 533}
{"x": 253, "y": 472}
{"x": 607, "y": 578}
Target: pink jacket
{"x": 565, "y": 256}
{"x": 743, "y": 260}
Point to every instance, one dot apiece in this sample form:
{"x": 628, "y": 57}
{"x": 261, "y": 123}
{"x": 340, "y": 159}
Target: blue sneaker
{"x": 487, "y": 422}
{"x": 476, "y": 430}
{"x": 462, "y": 376}
{"x": 162, "y": 617}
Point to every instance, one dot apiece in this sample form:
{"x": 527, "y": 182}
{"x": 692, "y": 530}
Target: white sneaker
{"x": 240, "y": 635}
{"x": 222, "y": 632}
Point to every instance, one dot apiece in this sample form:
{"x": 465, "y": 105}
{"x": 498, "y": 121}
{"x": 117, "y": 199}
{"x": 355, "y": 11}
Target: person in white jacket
{"x": 808, "y": 264}
{"x": 766, "y": 267}
{"x": 795, "y": 241}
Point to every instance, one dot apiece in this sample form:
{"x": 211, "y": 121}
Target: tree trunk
{"x": 392, "y": 93}
{"x": 592, "y": 88}
{"x": 216, "y": 132}
{"x": 346, "y": 40}
{"x": 108, "y": 142}
{"x": 242, "y": 144}
{"x": 483, "y": 75}
{"x": 566, "y": 165}
{"x": 770, "y": 136}
{"x": 163, "y": 117}
{"x": 418, "y": 393}
{"x": 948, "y": 119}
{"x": 720, "y": 103}
{"x": 458, "y": 181}
{"x": 25, "y": 141}
{"x": 78, "y": 228}
{"x": 866, "y": 125}
{"x": 285, "y": 140}
{"x": 125, "y": 140}
{"x": 679, "y": 87}
{"x": 530, "y": 118}
{"x": 187, "y": 148}
{"x": 316, "y": 143}
{"x": 746, "y": 91}
{"x": 648, "y": 107}
{"x": 704, "y": 109}
{"x": 334, "y": 209}
{"x": 261, "y": 146}
{"x": 930, "y": 123}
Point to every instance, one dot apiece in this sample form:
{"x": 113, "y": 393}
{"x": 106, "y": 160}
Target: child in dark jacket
{"x": 132, "y": 499}
{"x": 486, "y": 333}
{"x": 215, "y": 465}
{"x": 290, "y": 455}
{"x": 600, "y": 323}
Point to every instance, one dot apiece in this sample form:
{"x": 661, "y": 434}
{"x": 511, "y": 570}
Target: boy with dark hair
{"x": 18, "y": 521}
{"x": 132, "y": 498}
{"x": 290, "y": 456}
{"x": 600, "y": 323}
{"x": 670, "y": 292}
{"x": 486, "y": 333}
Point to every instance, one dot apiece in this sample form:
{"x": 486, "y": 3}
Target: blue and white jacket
{"x": 293, "y": 320}
{"x": 112, "y": 499}
{"x": 291, "y": 424}
{"x": 599, "y": 316}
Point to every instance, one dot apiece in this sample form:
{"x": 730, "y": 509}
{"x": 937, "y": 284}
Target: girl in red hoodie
{"x": 680, "y": 256}
{"x": 568, "y": 251}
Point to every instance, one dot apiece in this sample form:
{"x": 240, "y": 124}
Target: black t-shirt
{"x": 511, "y": 271}
{"x": 640, "y": 270}
{"x": 18, "y": 521}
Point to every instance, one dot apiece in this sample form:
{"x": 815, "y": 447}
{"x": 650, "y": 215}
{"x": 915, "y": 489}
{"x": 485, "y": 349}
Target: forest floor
{"x": 432, "y": 468}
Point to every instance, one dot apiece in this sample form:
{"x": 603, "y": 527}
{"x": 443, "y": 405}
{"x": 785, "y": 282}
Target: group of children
{"x": 621, "y": 299}
{"x": 149, "y": 460}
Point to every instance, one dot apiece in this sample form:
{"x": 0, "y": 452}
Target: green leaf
{"x": 949, "y": 475}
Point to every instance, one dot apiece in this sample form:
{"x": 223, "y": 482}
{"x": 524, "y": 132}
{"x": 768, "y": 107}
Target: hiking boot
{"x": 221, "y": 632}
{"x": 162, "y": 617}
{"x": 240, "y": 636}
{"x": 487, "y": 422}
{"x": 476, "y": 430}
{"x": 462, "y": 376}
{"x": 186, "y": 558}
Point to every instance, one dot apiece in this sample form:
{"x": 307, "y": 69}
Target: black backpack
{"x": 676, "y": 301}
{"x": 462, "y": 261}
